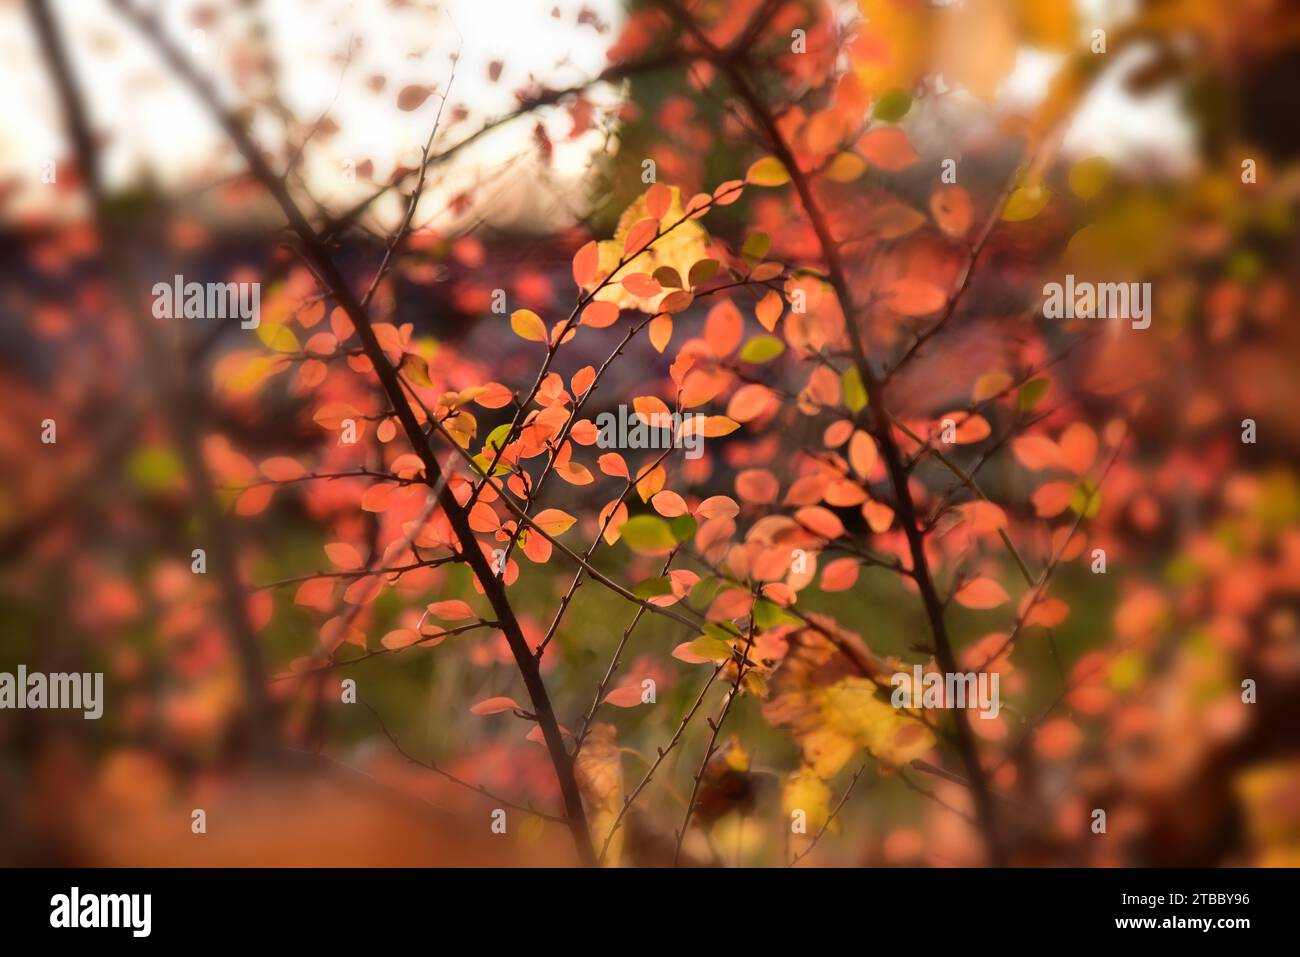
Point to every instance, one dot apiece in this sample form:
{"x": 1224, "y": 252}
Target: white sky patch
{"x": 152, "y": 124}
{"x": 1129, "y": 131}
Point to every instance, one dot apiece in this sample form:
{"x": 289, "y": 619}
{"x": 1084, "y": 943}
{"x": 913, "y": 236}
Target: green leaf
{"x": 704, "y": 591}
{"x": 756, "y": 247}
{"x": 855, "y": 393}
{"x": 667, "y": 277}
{"x": 723, "y": 631}
{"x": 497, "y": 437}
{"x": 683, "y": 528}
{"x": 761, "y": 349}
{"x": 768, "y": 614}
{"x": 154, "y": 469}
{"x": 484, "y": 461}
{"x": 702, "y": 272}
{"x": 652, "y": 587}
{"x": 1031, "y": 393}
{"x": 892, "y": 106}
{"x": 711, "y": 648}
{"x": 648, "y": 535}
{"x": 1086, "y": 500}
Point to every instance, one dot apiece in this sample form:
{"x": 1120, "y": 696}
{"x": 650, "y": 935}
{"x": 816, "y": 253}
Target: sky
{"x": 152, "y": 123}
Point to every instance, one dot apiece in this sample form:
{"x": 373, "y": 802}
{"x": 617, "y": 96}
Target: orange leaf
{"x": 452, "y": 610}
{"x": 657, "y": 200}
{"x": 611, "y": 533}
{"x": 412, "y": 97}
{"x": 718, "y": 506}
{"x": 757, "y": 486}
{"x": 862, "y": 453}
{"x": 494, "y": 706}
{"x": 1037, "y": 452}
{"x": 820, "y": 521}
{"x": 723, "y": 328}
{"x": 611, "y": 463}
{"x": 651, "y": 482}
{"x": 660, "y": 331}
{"x": 628, "y": 696}
{"x": 915, "y": 297}
{"x": 669, "y": 504}
{"x": 585, "y": 261}
{"x": 640, "y": 236}
{"x": 254, "y": 499}
{"x": 641, "y": 285}
{"x": 582, "y": 380}
{"x": 1052, "y": 498}
{"x": 495, "y": 397}
{"x": 599, "y": 315}
{"x": 769, "y": 310}
{"x": 483, "y": 518}
{"x": 840, "y": 575}
{"x": 343, "y": 555}
{"x": 282, "y": 468}
{"x": 888, "y": 148}
{"x": 878, "y": 515}
{"x": 1058, "y": 738}
{"x": 750, "y": 401}
{"x": 315, "y": 593}
{"x": 982, "y": 593}
{"x": 399, "y": 638}
{"x": 553, "y": 521}
{"x": 376, "y": 497}
{"x": 1078, "y": 447}
{"x": 951, "y": 208}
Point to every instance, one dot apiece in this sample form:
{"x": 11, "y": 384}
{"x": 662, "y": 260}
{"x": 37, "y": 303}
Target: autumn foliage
{"x": 430, "y": 578}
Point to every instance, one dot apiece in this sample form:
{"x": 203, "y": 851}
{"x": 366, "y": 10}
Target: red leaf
{"x": 982, "y": 593}
{"x": 494, "y": 706}
{"x": 585, "y": 261}
{"x": 628, "y": 696}
{"x": 452, "y": 610}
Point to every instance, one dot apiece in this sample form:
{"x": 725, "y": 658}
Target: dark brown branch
{"x": 880, "y": 430}
{"x": 219, "y": 541}
{"x": 318, "y": 252}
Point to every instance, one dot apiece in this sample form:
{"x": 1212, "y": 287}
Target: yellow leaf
{"x": 528, "y": 325}
{"x": 277, "y": 337}
{"x": 553, "y": 521}
{"x": 599, "y": 770}
{"x": 832, "y": 711}
{"x": 846, "y": 167}
{"x": 678, "y": 248}
{"x": 767, "y": 172}
{"x": 804, "y": 791}
{"x": 1025, "y": 203}
{"x": 660, "y": 331}
{"x": 1089, "y": 177}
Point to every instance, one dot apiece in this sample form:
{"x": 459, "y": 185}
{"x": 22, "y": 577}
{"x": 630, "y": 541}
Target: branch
{"x": 715, "y": 728}
{"x": 319, "y": 253}
{"x": 906, "y": 509}
{"x": 170, "y": 391}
